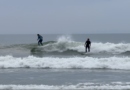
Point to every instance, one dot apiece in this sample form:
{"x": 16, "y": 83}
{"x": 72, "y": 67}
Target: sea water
{"x": 61, "y": 63}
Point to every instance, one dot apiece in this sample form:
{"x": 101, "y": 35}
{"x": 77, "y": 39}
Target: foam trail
{"x": 66, "y": 63}
{"x": 88, "y": 86}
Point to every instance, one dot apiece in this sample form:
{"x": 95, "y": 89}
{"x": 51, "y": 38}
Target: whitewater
{"x": 64, "y": 45}
{"x": 65, "y": 63}
{"x": 88, "y": 86}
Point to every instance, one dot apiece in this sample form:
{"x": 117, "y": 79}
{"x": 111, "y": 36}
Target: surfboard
{"x": 86, "y": 53}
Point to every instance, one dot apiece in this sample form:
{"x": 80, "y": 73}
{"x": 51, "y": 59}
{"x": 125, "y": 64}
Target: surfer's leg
{"x": 39, "y": 42}
{"x": 88, "y": 49}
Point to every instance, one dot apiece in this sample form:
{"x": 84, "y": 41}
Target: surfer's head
{"x": 88, "y": 39}
{"x": 37, "y": 34}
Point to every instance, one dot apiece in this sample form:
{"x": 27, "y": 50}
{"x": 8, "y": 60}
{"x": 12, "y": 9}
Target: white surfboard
{"x": 86, "y": 53}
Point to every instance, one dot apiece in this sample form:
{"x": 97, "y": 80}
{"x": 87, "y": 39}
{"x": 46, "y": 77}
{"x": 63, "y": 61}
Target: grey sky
{"x": 64, "y": 16}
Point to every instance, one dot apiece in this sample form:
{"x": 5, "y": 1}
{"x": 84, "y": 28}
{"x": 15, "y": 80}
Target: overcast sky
{"x": 64, "y": 16}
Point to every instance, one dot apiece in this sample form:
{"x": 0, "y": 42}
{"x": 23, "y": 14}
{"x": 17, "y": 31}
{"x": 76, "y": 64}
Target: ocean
{"x": 61, "y": 63}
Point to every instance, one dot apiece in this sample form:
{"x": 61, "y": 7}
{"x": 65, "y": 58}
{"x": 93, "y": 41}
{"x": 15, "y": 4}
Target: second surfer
{"x": 87, "y": 45}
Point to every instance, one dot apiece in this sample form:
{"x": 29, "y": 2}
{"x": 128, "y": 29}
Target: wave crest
{"x": 66, "y": 63}
{"x": 66, "y": 43}
{"x": 92, "y": 86}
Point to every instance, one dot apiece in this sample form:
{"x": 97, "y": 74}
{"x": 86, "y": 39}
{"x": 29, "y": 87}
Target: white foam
{"x": 89, "y": 86}
{"x": 68, "y": 63}
{"x": 66, "y": 43}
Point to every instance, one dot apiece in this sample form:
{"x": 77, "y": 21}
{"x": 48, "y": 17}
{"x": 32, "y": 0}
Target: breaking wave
{"x": 66, "y": 63}
{"x": 65, "y": 43}
{"x": 88, "y": 86}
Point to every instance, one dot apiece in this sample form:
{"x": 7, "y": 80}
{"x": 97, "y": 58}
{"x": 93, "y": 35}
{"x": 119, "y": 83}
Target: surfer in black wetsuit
{"x": 87, "y": 45}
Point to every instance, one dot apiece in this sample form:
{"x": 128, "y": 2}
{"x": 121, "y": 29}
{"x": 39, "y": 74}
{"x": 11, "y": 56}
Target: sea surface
{"x": 61, "y": 63}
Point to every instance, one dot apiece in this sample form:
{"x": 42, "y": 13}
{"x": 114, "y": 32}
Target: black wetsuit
{"x": 88, "y": 44}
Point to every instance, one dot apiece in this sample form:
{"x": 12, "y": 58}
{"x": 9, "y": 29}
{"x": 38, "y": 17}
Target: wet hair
{"x": 88, "y": 39}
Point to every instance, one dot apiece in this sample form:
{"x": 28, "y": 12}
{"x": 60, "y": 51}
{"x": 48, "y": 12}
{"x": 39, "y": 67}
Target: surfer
{"x": 87, "y": 45}
{"x": 40, "y": 38}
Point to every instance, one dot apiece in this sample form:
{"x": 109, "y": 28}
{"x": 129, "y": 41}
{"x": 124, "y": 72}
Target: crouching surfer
{"x": 40, "y": 38}
{"x": 87, "y": 45}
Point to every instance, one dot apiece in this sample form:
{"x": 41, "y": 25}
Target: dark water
{"x": 61, "y": 77}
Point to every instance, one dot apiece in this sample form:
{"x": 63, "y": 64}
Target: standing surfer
{"x": 87, "y": 45}
{"x": 40, "y": 38}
